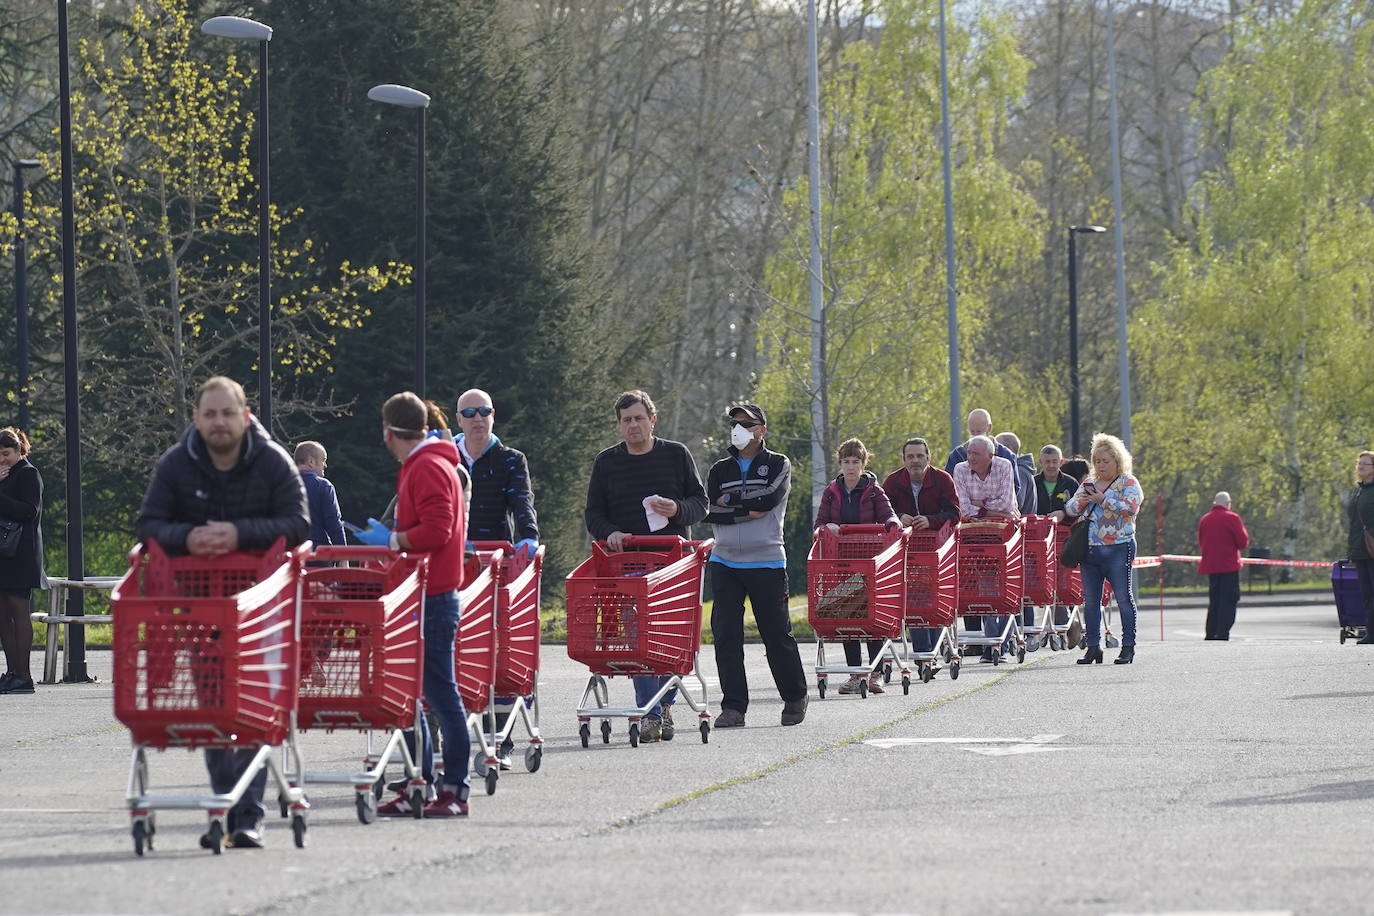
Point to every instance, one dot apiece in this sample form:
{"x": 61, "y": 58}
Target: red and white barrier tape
{"x": 1248, "y": 561}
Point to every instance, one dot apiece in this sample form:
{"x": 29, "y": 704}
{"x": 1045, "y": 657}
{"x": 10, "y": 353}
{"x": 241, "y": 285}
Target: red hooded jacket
{"x": 429, "y": 509}
{"x": 1222, "y": 536}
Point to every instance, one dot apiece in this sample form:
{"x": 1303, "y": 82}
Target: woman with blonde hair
{"x": 1110, "y": 497}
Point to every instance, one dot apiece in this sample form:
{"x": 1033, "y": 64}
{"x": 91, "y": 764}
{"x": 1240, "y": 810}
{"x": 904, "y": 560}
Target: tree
{"x": 1253, "y": 355}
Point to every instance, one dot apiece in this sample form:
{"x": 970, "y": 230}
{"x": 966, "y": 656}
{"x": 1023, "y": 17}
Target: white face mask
{"x": 739, "y": 436}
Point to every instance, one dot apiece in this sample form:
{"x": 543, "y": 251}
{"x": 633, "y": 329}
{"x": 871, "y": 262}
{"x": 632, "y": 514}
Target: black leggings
{"x": 16, "y": 631}
{"x": 852, "y": 655}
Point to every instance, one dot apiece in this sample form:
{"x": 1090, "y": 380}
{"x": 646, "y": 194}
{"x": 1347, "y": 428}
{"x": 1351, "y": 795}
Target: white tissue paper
{"x": 656, "y": 522}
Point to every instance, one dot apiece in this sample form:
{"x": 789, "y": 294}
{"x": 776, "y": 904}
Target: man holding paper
{"x": 644, "y": 485}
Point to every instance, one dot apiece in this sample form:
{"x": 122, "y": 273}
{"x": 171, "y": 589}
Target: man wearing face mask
{"x": 747, "y": 491}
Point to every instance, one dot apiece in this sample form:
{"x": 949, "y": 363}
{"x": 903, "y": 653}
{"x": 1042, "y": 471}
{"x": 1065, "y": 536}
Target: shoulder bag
{"x": 10, "y": 532}
{"x": 1076, "y": 547}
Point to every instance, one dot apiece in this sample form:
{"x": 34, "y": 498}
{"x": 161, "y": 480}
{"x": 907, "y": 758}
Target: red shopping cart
{"x": 856, "y": 590}
{"x": 362, "y": 661}
{"x": 516, "y": 687}
{"x": 474, "y": 658}
{"x": 932, "y": 590}
{"x": 991, "y": 583}
{"x": 1041, "y": 565}
{"x": 205, "y": 656}
{"x": 637, "y": 612}
{"x": 1068, "y": 593}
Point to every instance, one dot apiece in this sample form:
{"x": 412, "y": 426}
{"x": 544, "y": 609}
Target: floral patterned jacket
{"x": 1114, "y": 521}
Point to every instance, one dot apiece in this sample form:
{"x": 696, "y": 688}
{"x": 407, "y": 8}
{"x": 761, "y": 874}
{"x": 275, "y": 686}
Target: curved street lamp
{"x": 405, "y": 97}
{"x": 241, "y": 29}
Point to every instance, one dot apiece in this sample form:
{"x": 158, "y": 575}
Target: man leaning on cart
{"x": 226, "y": 486}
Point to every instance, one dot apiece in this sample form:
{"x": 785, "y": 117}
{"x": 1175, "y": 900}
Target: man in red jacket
{"x": 921, "y": 494}
{"x": 429, "y": 520}
{"x": 1222, "y": 536}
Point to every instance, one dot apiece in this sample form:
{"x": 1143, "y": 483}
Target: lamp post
{"x": 21, "y": 293}
{"x": 405, "y": 97}
{"x": 951, "y": 289}
{"x": 242, "y": 29}
{"x": 1074, "y": 440}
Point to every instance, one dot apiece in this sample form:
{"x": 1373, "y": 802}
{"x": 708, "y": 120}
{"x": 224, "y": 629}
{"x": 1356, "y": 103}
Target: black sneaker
{"x": 794, "y": 711}
{"x": 730, "y": 718}
{"x": 668, "y": 730}
{"x": 16, "y": 683}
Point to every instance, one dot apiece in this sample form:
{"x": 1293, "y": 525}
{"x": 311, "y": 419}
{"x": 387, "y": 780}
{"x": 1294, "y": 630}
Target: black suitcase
{"x": 1345, "y": 588}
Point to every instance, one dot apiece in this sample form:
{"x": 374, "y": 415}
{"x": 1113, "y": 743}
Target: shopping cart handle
{"x": 337, "y": 552}
{"x": 653, "y": 542}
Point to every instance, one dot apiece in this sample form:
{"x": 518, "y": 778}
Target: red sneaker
{"x": 398, "y": 807}
{"x": 446, "y": 805}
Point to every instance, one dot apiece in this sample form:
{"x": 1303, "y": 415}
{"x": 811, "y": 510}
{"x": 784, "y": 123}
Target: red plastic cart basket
{"x": 362, "y": 642}
{"x": 856, "y": 582}
{"x": 932, "y": 577}
{"x": 518, "y": 582}
{"x": 474, "y": 648}
{"x": 1041, "y": 562}
{"x": 990, "y": 567}
{"x": 1069, "y": 586}
{"x": 205, "y": 649}
{"x": 638, "y": 611}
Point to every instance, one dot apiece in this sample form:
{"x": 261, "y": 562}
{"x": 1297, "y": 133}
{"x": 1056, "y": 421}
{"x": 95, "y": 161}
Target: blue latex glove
{"x": 375, "y": 534}
{"x": 530, "y": 545}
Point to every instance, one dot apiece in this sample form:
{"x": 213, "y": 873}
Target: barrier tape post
{"x": 1159, "y": 548}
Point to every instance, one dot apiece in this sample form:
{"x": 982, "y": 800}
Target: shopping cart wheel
{"x": 417, "y": 803}
{"x": 927, "y": 673}
{"x": 283, "y": 805}
{"x": 534, "y": 756}
{"x": 379, "y": 787}
{"x": 1020, "y": 656}
{"x": 298, "y": 830}
{"x": 605, "y": 731}
{"x": 705, "y": 732}
{"x": 1112, "y": 642}
{"x": 887, "y": 674}
{"x": 634, "y": 734}
{"x": 906, "y": 685}
{"x": 820, "y": 687}
{"x": 954, "y": 670}
{"x": 366, "y": 803}
{"x": 1342, "y": 635}
{"x": 584, "y": 731}
{"x": 213, "y": 839}
{"x": 141, "y": 837}
{"x": 863, "y": 688}
{"x": 479, "y": 763}
{"x": 492, "y": 775}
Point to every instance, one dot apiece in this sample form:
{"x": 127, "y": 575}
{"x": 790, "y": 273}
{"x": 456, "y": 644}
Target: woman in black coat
{"x": 21, "y": 502}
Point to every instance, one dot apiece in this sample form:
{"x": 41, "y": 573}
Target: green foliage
{"x": 1253, "y": 357}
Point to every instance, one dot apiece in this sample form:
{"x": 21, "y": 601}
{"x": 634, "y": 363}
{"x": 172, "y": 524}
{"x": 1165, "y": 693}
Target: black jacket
{"x": 500, "y": 495}
{"x": 1064, "y": 487}
{"x": 21, "y": 500}
{"x": 262, "y": 494}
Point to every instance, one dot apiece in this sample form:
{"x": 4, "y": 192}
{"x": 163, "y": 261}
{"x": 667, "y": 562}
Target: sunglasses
{"x": 747, "y": 424}
{"x": 471, "y": 412}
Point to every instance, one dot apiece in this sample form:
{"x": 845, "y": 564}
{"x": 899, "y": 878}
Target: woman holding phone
{"x": 1110, "y": 497}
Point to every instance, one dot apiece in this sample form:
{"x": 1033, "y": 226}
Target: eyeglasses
{"x": 471, "y": 412}
{"x": 747, "y": 424}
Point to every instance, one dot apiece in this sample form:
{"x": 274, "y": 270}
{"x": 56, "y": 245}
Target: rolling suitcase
{"x": 1345, "y": 588}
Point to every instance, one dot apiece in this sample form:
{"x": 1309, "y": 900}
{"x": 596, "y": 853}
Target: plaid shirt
{"x": 993, "y": 493}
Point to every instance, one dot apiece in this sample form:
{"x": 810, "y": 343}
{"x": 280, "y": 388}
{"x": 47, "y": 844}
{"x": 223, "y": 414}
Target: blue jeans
{"x": 646, "y": 685}
{"x": 225, "y": 766}
{"x": 441, "y": 693}
{"x": 1109, "y": 563}
{"x": 923, "y": 638}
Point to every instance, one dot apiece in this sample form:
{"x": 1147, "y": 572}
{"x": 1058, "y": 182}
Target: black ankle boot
{"x": 1126, "y": 656}
{"x": 1093, "y": 655}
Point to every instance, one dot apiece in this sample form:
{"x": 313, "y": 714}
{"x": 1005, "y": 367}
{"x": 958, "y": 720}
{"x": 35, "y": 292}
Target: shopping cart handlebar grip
{"x": 652, "y": 541}
{"x": 350, "y": 552}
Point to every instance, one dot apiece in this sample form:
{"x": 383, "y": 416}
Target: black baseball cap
{"x": 751, "y": 410}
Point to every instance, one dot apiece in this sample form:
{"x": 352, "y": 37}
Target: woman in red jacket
{"x": 854, "y": 498}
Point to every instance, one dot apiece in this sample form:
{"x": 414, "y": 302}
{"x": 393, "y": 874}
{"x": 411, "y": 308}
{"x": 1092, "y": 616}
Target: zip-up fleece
{"x": 429, "y": 509}
{"x": 739, "y": 538}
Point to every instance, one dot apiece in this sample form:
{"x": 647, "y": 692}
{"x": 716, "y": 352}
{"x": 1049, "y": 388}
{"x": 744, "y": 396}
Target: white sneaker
{"x": 851, "y": 685}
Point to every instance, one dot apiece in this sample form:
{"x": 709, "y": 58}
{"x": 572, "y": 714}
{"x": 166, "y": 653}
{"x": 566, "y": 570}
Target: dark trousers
{"x": 853, "y": 655}
{"x": 766, "y": 590}
{"x": 1364, "y": 569}
{"x": 225, "y": 766}
{"x": 1223, "y": 594}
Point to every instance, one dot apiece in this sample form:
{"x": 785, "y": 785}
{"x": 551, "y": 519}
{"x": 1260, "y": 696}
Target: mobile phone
{"x": 350, "y": 526}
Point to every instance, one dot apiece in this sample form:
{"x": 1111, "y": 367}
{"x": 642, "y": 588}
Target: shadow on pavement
{"x": 1328, "y": 792}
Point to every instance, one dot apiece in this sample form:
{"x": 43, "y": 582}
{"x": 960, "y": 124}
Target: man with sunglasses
{"x": 747, "y": 490}
{"x": 644, "y": 474}
{"x": 502, "y": 503}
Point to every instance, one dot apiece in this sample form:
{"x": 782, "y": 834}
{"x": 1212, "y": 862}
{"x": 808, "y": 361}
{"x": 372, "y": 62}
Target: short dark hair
{"x": 852, "y": 448}
{"x": 405, "y": 414}
{"x": 13, "y": 437}
{"x": 225, "y": 382}
{"x": 916, "y": 440}
{"x": 631, "y": 398}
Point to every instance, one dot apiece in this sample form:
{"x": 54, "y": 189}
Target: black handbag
{"x": 1076, "y": 547}
{"x": 10, "y": 532}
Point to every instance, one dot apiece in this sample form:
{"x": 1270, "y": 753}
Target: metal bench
{"x": 56, "y": 621}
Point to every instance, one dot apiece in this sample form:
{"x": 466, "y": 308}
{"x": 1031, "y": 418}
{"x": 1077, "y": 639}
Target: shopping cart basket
{"x": 1040, "y": 566}
{"x": 932, "y": 589}
{"x": 1068, "y": 593}
{"x": 991, "y": 583}
{"x": 518, "y": 583}
{"x": 205, "y": 656}
{"x": 856, "y": 589}
{"x": 637, "y": 612}
{"x": 362, "y": 661}
{"x": 474, "y": 657}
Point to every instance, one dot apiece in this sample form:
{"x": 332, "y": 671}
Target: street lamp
{"x": 1075, "y": 441}
{"x": 241, "y": 29}
{"x": 405, "y": 97}
{"x": 21, "y": 293}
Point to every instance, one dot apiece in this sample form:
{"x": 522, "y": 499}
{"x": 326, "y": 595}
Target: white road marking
{"x": 1003, "y": 747}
